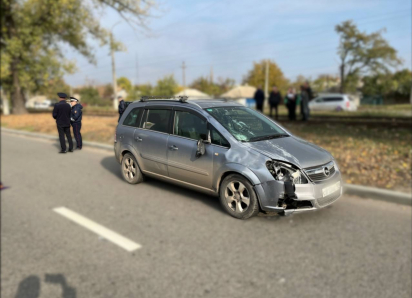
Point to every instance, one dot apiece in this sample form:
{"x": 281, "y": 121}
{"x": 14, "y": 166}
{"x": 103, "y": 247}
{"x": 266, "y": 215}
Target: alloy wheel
{"x": 129, "y": 169}
{"x": 237, "y": 197}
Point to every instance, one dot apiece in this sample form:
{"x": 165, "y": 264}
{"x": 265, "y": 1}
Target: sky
{"x": 229, "y": 35}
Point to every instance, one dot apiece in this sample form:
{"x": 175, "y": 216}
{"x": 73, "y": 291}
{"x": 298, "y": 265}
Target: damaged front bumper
{"x": 306, "y": 197}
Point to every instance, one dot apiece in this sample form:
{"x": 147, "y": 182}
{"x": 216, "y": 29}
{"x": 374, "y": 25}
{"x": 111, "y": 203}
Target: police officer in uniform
{"x": 76, "y": 120}
{"x": 122, "y": 107}
{"x": 61, "y": 113}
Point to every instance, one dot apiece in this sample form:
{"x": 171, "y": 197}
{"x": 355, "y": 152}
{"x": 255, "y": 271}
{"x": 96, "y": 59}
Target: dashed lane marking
{"x": 110, "y": 235}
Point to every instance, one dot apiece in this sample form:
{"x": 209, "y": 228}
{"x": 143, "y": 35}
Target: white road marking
{"x": 98, "y": 229}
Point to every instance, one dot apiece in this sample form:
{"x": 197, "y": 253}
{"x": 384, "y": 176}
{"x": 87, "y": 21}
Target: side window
{"x": 318, "y": 100}
{"x": 217, "y": 138}
{"x": 190, "y": 126}
{"x": 133, "y": 118}
{"x": 331, "y": 99}
{"x": 157, "y": 120}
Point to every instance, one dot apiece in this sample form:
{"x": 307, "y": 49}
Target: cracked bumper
{"x": 269, "y": 193}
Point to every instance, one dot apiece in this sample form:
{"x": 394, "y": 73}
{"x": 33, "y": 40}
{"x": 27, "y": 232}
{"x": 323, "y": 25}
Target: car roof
{"x": 212, "y": 103}
{"x": 331, "y": 94}
{"x": 199, "y": 103}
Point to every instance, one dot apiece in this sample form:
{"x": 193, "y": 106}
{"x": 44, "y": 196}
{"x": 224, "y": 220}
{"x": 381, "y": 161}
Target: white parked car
{"x": 333, "y": 102}
{"x": 43, "y": 104}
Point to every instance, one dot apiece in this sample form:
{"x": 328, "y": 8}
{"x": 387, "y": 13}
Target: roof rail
{"x": 172, "y": 98}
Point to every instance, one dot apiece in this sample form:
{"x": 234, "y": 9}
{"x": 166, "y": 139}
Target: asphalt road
{"x": 190, "y": 247}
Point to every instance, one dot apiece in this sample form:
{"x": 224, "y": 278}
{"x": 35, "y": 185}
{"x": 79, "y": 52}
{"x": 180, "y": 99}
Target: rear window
{"x": 133, "y": 118}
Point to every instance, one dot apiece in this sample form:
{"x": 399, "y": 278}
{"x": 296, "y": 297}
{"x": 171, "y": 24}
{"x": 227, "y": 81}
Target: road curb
{"x": 350, "y": 189}
{"x": 50, "y": 137}
{"x": 378, "y": 194}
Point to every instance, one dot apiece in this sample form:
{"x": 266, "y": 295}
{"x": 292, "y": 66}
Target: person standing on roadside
{"x": 274, "y": 100}
{"x": 291, "y": 100}
{"x": 122, "y": 107}
{"x": 62, "y": 112}
{"x": 308, "y": 90}
{"x": 259, "y": 99}
{"x": 76, "y": 121}
{"x": 304, "y": 103}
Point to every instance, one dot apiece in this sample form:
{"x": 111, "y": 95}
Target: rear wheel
{"x": 238, "y": 197}
{"x": 130, "y": 169}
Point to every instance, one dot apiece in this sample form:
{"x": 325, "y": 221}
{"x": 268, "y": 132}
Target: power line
{"x": 244, "y": 45}
{"x": 174, "y": 60}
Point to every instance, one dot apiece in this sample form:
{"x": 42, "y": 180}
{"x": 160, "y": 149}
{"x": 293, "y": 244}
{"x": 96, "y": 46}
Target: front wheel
{"x": 238, "y": 197}
{"x": 130, "y": 169}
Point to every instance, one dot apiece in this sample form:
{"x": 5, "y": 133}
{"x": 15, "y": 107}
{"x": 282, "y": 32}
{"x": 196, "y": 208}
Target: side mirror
{"x": 201, "y": 150}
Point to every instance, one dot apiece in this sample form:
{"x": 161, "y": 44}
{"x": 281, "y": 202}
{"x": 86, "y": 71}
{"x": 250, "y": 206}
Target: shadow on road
{"x": 30, "y": 286}
{"x": 111, "y": 165}
{"x": 59, "y": 279}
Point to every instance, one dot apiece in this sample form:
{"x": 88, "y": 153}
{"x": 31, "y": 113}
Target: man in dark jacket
{"x": 274, "y": 100}
{"x": 259, "y": 99}
{"x": 61, "y": 113}
{"x": 122, "y": 107}
{"x": 304, "y": 111}
{"x": 76, "y": 120}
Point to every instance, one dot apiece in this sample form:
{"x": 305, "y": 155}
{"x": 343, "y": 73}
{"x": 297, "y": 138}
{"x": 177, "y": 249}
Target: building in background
{"x": 193, "y": 94}
{"x": 242, "y": 94}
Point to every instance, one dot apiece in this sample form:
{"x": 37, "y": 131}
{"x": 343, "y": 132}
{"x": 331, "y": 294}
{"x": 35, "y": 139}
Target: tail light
{"x": 347, "y": 104}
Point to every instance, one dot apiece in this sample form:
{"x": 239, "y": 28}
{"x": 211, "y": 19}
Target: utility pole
{"x": 183, "y": 77}
{"x": 267, "y": 79}
{"x": 115, "y": 103}
{"x": 211, "y": 74}
{"x": 137, "y": 69}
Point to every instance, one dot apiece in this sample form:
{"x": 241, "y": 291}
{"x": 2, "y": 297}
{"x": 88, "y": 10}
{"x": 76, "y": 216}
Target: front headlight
{"x": 336, "y": 165}
{"x": 285, "y": 172}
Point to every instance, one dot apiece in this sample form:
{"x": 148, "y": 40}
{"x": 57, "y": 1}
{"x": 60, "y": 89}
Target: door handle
{"x": 173, "y": 147}
{"x": 139, "y": 139}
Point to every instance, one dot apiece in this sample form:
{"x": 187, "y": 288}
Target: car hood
{"x": 292, "y": 150}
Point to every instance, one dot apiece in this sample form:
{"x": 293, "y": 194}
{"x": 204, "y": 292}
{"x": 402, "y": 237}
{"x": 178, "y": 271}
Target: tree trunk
{"x": 17, "y": 95}
{"x": 342, "y": 78}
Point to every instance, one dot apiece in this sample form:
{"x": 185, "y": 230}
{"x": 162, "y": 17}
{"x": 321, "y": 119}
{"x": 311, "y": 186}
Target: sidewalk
{"x": 350, "y": 189}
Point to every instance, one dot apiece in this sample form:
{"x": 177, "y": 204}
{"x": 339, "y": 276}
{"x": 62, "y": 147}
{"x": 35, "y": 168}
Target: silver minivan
{"x": 225, "y": 149}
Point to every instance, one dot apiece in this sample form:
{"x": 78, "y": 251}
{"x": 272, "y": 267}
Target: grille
{"x": 321, "y": 173}
{"x": 322, "y": 202}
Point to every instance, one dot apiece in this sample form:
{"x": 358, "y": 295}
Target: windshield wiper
{"x": 262, "y": 138}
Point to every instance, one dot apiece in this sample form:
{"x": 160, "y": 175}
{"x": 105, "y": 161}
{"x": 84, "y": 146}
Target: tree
{"x": 225, "y": 84}
{"x": 325, "y": 83}
{"x": 402, "y": 83}
{"x": 52, "y": 87}
{"x": 390, "y": 86}
{"x": 165, "y": 87}
{"x": 256, "y": 76}
{"x": 300, "y": 80}
{"x": 205, "y": 85}
{"x": 90, "y": 96}
{"x": 379, "y": 84}
{"x": 361, "y": 53}
{"x": 34, "y": 31}
{"x": 124, "y": 83}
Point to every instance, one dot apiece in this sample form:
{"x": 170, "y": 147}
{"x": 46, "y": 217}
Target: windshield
{"x": 245, "y": 124}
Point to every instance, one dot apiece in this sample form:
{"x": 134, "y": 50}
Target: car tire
{"x": 131, "y": 170}
{"x": 238, "y": 197}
